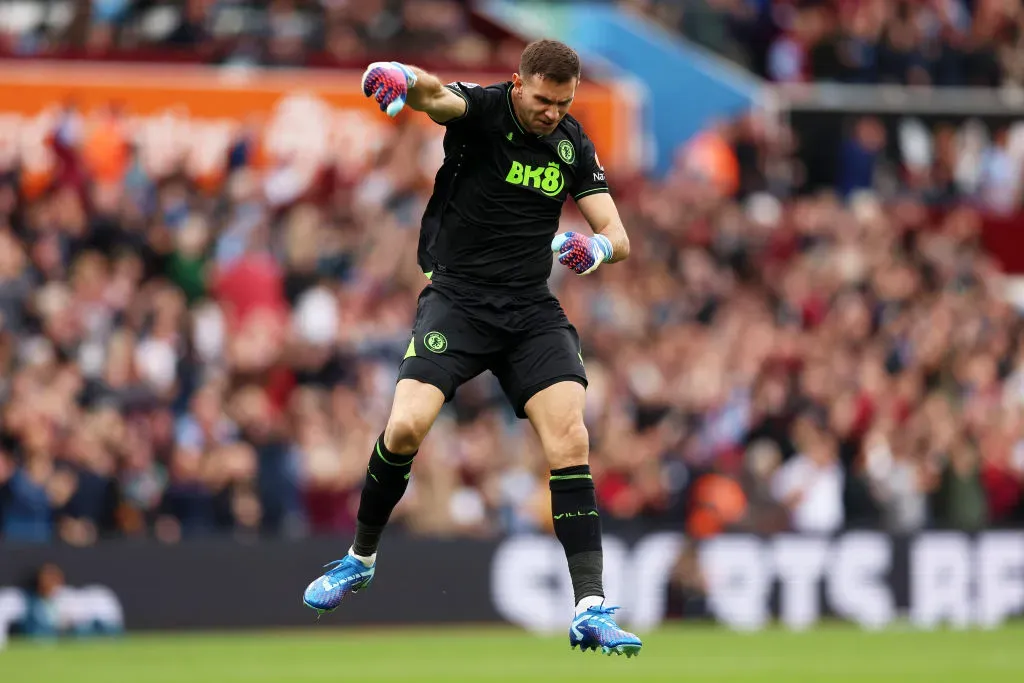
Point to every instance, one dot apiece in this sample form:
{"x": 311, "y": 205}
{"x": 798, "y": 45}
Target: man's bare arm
{"x": 431, "y": 97}
{"x": 601, "y": 214}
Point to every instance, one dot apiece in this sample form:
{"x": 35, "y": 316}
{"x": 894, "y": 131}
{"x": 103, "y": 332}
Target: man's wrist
{"x": 410, "y": 75}
{"x": 605, "y": 245}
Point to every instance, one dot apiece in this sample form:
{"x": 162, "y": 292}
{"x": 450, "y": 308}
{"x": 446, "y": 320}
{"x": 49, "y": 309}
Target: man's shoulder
{"x": 568, "y": 139}
{"x": 492, "y": 91}
{"x": 571, "y": 127}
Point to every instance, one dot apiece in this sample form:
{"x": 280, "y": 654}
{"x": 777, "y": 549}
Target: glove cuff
{"x": 605, "y": 245}
{"x": 410, "y": 77}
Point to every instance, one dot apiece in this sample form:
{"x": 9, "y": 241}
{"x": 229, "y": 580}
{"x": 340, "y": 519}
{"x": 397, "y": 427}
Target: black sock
{"x": 387, "y": 477}
{"x": 578, "y": 528}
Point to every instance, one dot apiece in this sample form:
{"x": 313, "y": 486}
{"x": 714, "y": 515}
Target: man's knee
{"x": 405, "y": 432}
{"x": 415, "y": 408}
{"x": 569, "y": 445}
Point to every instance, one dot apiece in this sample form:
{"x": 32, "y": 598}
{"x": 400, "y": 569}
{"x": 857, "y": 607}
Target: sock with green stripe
{"x": 578, "y": 528}
{"x": 387, "y": 477}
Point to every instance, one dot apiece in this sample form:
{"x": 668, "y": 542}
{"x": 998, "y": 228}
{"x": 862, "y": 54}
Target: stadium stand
{"x": 180, "y": 361}
{"x": 945, "y": 43}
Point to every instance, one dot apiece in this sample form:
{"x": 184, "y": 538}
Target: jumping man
{"x": 513, "y": 155}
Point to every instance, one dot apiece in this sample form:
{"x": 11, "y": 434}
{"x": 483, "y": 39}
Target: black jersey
{"x": 498, "y": 195}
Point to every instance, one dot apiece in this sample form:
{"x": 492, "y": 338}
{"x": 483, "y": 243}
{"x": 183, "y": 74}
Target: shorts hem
{"x": 436, "y": 376}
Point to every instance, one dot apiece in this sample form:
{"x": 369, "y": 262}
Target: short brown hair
{"x": 550, "y": 59}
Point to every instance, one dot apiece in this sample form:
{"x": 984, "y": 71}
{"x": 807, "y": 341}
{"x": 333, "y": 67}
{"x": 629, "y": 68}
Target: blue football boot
{"x": 344, "y": 576}
{"x": 596, "y": 629}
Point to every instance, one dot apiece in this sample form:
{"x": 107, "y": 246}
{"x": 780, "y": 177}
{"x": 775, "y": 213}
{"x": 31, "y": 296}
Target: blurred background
{"x": 208, "y": 278}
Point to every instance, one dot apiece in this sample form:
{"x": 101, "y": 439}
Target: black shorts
{"x": 526, "y": 341}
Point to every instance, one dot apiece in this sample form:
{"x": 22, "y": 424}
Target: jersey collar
{"x": 515, "y": 119}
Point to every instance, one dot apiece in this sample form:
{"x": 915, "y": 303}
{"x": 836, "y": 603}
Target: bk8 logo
{"x": 548, "y": 179}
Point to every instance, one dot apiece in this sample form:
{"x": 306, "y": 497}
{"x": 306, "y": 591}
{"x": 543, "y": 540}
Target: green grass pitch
{"x": 825, "y": 655}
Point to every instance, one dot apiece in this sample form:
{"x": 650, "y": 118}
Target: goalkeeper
{"x": 513, "y": 155}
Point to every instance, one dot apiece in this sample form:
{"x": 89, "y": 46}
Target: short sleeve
{"x": 478, "y": 102}
{"x": 590, "y": 177}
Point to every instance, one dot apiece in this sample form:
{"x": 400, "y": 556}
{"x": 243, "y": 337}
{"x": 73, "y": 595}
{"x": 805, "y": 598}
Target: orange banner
{"x": 320, "y": 115}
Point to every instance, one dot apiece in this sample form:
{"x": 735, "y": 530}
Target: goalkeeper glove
{"x": 388, "y": 83}
{"x": 581, "y": 253}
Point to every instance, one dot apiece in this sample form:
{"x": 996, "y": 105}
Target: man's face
{"x": 541, "y": 103}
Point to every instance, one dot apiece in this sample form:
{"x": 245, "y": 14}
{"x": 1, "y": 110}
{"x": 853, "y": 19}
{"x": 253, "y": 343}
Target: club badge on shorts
{"x": 435, "y": 341}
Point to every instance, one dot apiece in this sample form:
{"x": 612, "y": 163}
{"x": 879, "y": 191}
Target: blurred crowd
{"x": 808, "y": 334}
{"x": 810, "y": 362}
{"x": 942, "y": 162}
{"x": 181, "y": 358}
{"x": 249, "y": 32}
{"x": 909, "y": 42}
